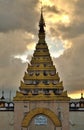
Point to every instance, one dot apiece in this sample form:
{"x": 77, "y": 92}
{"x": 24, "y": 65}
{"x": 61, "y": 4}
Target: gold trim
{"x": 27, "y": 119}
{"x": 41, "y": 85}
{"x": 41, "y": 53}
{"x": 41, "y": 77}
{"x": 41, "y": 46}
{"x": 37, "y": 60}
{"x": 41, "y": 97}
{"x": 41, "y": 67}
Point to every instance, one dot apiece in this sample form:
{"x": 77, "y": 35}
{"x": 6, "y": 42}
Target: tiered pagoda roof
{"x": 41, "y": 81}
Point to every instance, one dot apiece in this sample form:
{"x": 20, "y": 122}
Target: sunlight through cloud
{"x": 23, "y": 58}
{"x": 66, "y": 44}
{"x": 46, "y": 2}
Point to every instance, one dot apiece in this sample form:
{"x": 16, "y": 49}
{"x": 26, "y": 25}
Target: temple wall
{"x": 18, "y": 115}
{"x": 65, "y": 116}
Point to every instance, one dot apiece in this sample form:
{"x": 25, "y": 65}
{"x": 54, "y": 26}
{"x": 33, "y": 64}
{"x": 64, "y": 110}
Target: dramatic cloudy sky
{"x": 64, "y": 35}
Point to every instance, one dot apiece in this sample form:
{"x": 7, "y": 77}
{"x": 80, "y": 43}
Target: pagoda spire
{"x": 81, "y": 95}
{"x": 41, "y": 28}
{"x": 2, "y": 95}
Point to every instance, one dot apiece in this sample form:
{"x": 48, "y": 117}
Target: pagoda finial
{"x": 81, "y": 94}
{"x": 41, "y": 27}
{"x": 41, "y": 18}
{"x": 2, "y": 95}
{"x": 41, "y": 22}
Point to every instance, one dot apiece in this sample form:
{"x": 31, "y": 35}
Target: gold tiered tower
{"x": 41, "y": 83}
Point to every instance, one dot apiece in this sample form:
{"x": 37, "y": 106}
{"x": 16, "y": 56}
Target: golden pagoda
{"x": 41, "y": 91}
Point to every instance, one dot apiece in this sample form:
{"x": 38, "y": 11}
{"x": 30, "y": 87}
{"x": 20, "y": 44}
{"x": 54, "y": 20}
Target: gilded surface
{"x": 41, "y": 97}
{"x": 41, "y": 67}
{"x": 41, "y": 77}
{"x": 41, "y": 46}
{"x": 41, "y": 60}
{"x": 41, "y": 54}
{"x": 41, "y": 85}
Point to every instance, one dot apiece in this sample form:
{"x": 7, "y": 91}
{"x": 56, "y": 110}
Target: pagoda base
{"x": 39, "y": 115}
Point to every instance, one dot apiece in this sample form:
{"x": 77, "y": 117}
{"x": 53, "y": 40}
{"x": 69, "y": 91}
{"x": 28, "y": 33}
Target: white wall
{"x": 6, "y": 120}
{"x": 76, "y": 120}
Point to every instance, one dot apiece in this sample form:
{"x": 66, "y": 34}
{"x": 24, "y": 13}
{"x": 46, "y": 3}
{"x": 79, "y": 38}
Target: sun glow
{"x": 66, "y": 44}
{"x": 53, "y": 18}
{"x": 75, "y": 95}
{"x": 31, "y": 46}
{"x": 65, "y": 19}
{"x": 46, "y": 2}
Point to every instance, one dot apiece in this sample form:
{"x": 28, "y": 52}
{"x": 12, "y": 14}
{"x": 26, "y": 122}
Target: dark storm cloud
{"x": 69, "y": 32}
{"x": 70, "y": 65}
{"x": 76, "y": 26}
{"x": 18, "y": 21}
{"x": 79, "y": 8}
{"x": 18, "y": 14}
{"x": 11, "y": 69}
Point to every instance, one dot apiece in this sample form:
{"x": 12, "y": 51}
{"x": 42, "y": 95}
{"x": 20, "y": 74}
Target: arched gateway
{"x": 40, "y": 112}
{"x": 41, "y": 102}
